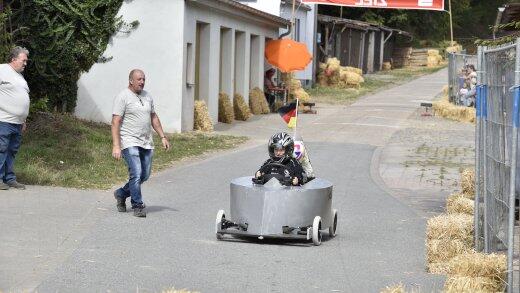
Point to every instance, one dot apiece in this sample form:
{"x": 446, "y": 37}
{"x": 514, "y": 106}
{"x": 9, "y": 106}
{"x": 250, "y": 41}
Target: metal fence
{"x": 497, "y": 103}
{"x": 456, "y": 64}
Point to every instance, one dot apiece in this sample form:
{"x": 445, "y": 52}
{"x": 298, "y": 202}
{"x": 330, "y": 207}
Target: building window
{"x": 297, "y": 29}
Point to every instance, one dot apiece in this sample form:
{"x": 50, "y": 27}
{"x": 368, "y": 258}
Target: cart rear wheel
{"x": 316, "y": 233}
{"x": 332, "y": 228}
{"x": 218, "y": 223}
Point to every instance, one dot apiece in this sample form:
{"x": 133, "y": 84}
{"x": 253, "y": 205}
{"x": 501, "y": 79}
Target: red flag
{"x": 397, "y": 4}
{"x": 288, "y": 113}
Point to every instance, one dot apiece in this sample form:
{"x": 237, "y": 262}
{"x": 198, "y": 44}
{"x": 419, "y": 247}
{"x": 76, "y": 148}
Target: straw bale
{"x": 333, "y": 64}
{"x": 471, "y": 285}
{"x": 302, "y": 95}
{"x": 225, "y": 109}
{"x": 433, "y": 52}
{"x": 447, "y": 110}
{"x": 242, "y": 111}
{"x": 475, "y": 264}
{"x": 202, "y": 121}
{"x": 452, "y": 226}
{"x": 387, "y": 65}
{"x": 467, "y": 182}
{"x": 458, "y": 203}
{"x": 277, "y": 105}
{"x": 323, "y": 66}
{"x": 439, "y": 253}
{"x": 323, "y": 80}
{"x": 257, "y": 102}
{"x": 358, "y": 71}
{"x": 396, "y": 288}
{"x": 454, "y": 49}
{"x": 433, "y": 61}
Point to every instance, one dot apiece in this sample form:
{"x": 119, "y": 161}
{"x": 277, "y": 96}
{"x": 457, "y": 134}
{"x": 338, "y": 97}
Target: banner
{"x": 395, "y": 4}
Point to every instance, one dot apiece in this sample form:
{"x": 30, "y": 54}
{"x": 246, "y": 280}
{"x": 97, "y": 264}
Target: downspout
{"x": 286, "y": 33}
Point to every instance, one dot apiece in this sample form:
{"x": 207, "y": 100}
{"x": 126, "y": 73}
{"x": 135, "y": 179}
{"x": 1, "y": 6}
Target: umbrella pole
{"x": 292, "y": 18}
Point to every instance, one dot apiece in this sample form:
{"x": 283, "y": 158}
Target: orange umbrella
{"x": 287, "y": 55}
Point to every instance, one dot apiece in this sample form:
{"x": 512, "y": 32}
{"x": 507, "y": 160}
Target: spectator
{"x": 269, "y": 87}
{"x": 133, "y": 118}
{"x": 14, "y": 108}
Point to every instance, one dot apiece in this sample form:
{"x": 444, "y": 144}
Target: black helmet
{"x": 281, "y": 140}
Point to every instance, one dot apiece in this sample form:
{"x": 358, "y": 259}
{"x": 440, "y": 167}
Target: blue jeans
{"x": 139, "y": 162}
{"x": 10, "y": 140}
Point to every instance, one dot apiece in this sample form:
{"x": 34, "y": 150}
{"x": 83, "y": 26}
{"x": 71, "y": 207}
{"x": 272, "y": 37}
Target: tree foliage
{"x": 65, "y": 38}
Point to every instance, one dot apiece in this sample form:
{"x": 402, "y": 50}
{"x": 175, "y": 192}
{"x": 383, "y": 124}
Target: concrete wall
{"x": 156, "y": 46}
{"x": 233, "y": 74}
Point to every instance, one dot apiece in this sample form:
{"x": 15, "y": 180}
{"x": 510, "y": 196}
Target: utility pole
{"x": 451, "y": 23}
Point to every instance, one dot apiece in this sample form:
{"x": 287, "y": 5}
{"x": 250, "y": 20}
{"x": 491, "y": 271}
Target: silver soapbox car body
{"x": 273, "y": 210}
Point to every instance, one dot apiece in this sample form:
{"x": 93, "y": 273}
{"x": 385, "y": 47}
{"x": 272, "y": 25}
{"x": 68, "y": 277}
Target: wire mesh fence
{"x": 497, "y": 105}
{"x": 457, "y": 75}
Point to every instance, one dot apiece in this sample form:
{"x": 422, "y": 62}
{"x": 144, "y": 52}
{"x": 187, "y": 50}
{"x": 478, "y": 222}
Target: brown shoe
{"x": 15, "y": 184}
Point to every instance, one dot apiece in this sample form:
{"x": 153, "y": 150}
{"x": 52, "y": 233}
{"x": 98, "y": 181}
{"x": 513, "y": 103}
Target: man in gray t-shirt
{"x": 133, "y": 118}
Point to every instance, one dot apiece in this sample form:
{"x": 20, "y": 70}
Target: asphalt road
{"x": 68, "y": 240}
{"x": 380, "y": 241}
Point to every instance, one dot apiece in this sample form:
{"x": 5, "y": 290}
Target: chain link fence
{"x": 497, "y": 103}
{"x": 457, "y": 64}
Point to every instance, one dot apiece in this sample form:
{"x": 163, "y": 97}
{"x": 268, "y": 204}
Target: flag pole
{"x": 296, "y": 117}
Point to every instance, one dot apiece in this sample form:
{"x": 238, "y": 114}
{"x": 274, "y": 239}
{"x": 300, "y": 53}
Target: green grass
{"x": 60, "y": 150}
{"x": 373, "y": 83}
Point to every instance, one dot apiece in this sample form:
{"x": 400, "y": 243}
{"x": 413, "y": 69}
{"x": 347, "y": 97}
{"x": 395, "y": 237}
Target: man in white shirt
{"x": 14, "y": 108}
{"x": 133, "y": 118}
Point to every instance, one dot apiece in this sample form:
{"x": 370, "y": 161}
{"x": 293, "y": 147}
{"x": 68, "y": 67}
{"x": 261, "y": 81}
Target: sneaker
{"x": 139, "y": 212}
{"x": 121, "y": 203}
{"x": 3, "y": 186}
{"x": 15, "y": 184}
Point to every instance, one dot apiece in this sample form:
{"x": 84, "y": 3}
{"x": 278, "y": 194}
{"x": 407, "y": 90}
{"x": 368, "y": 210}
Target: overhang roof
{"x": 511, "y": 13}
{"x": 359, "y": 25}
{"x": 279, "y": 21}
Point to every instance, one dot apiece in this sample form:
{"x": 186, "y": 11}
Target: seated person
{"x": 280, "y": 148}
{"x": 271, "y": 90}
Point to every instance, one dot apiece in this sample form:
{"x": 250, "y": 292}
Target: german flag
{"x": 288, "y": 113}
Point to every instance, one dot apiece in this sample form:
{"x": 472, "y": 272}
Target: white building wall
{"x": 306, "y": 34}
{"x": 200, "y": 13}
{"x": 156, "y": 47}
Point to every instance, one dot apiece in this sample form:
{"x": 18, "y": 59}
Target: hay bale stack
{"x": 242, "y": 111}
{"x": 467, "y": 182}
{"x": 397, "y": 288}
{"x": 458, "y": 203}
{"x": 202, "y": 121}
{"x": 447, "y": 110}
{"x": 477, "y": 272}
{"x": 225, "y": 109}
{"x": 434, "y": 58}
{"x": 387, "y": 66}
{"x": 446, "y": 237}
{"x": 295, "y": 88}
{"x": 454, "y": 49}
{"x": 257, "y": 102}
{"x": 333, "y": 74}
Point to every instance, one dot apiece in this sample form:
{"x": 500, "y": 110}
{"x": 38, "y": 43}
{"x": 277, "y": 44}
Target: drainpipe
{"x": 288, "y": 32}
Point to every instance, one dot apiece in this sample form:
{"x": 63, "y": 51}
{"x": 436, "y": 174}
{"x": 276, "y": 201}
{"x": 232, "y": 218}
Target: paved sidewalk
{"x": 46, "y": 231}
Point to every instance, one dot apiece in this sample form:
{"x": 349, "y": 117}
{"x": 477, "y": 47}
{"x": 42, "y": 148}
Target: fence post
{"x": 478, "y": 138}
{"x": 512, "y": 179}
{"x": 484, "y": 149}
